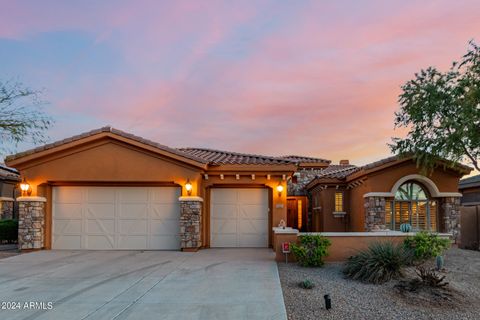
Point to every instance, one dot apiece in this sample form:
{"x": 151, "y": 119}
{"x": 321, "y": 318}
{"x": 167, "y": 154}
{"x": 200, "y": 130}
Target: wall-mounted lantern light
{"x": 280, "y": 189}
{"x": 25, "y": 187}
{"x": 188, "y": 187}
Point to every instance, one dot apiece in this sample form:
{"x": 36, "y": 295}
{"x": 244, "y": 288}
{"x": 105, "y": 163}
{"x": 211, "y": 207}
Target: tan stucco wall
{"x": 109, "y": 161}
{"x": 341, "y": 248}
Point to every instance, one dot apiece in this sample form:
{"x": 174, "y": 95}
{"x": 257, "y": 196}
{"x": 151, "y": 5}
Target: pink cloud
{"x": 320, "y": 79}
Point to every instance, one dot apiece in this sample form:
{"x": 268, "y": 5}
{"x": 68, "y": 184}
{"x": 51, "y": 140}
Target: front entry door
{"x": 297, "y": 213}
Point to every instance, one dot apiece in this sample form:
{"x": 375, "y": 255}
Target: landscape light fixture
{"x": 188, "y": 187}
{"x": 25, "y": 187}
{"x": 280, "y": 189}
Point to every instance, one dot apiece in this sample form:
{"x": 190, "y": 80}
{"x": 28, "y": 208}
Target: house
{"x": 470, "y": 188}
{"x": 9, "y": 179}
{"x": 108, "y": 189}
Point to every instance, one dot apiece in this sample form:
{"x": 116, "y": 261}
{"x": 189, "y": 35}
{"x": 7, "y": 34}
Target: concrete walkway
{"x": 209, "y": 284}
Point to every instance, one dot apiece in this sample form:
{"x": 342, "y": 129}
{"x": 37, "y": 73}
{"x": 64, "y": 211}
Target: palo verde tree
{"x": 22, "y": 118}
{"x": 441, "y": 111}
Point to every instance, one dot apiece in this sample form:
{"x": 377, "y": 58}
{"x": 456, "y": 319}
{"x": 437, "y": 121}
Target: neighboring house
{"x": 9, "y": 179}
{"x": 108, "y": 189}
{"x": 470, "y": 188}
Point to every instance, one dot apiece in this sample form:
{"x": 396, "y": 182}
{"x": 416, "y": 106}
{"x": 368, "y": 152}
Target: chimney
{"x": 344, "y": 162}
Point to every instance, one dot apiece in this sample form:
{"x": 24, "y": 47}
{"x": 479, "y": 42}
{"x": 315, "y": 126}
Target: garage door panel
{"x": 116, "y": 218}
{"x": 70, "y": 195}
{"x": 165, "y": 195}
{"x": 224, "y": 211}
{"x": 239, "y": 218}
{"x": 164, "y": 211}
{"x": 164, "y": 227}
{"x": 164, "y": 242}
{"x": 223, "y": 196}
{"x": 68, "y": 211}
{"x": 68, "y": 226}
{"x": 68, "y": 242}
{"x": 224, "y": 241}
{"x": 258, "y": 227}
{"x": 251, "y": 196}
{"x": 224, "y": 226}
{"x": 135, "y": 195}
{"x": 99, "y": 210}
{"x": 133, "y": 211}
{"x": 100, "y": 242}
{"x": 133, "y": 227}
{"x": 132, "y": 242}
{"x": 253, "y": 211}
{"x": 100, "y": 195}
{"x": 100, "y": 226}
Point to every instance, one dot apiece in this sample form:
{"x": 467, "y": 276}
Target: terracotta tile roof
{"x": 299, "y": 159}
{"x": 470, "y": 182}
{"x": 218, "y": 157}
{"x": 7, "y": 173}
{"x": 101, "y": 130}
{"x": 396, "y": 158}
{"x": 337, "y": 171}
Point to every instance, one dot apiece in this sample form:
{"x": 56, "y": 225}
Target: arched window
{"x": 412, "y": 204}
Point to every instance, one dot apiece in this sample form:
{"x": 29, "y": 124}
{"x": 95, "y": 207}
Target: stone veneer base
{"x": 190, "y": 223}
{"x": 31, "y": 222}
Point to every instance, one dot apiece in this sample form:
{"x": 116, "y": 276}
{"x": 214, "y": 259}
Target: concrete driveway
{"x": 209, "y": 284}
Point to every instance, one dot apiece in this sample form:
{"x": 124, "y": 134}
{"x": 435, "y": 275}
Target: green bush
{"x": 311, "y": 250}
{"x": 426, "y": 245}
{"x": 8, "y": 230}
{"x": 381, "y": 262}
{"x": 306, "y": 284}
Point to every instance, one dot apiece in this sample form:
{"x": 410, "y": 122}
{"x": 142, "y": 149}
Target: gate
{"x": 470, "y": 227}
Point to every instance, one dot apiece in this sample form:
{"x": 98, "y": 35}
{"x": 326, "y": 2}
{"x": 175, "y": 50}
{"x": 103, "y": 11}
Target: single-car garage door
{"x": 104, "y": 218}
{"x": 239, "y": 217}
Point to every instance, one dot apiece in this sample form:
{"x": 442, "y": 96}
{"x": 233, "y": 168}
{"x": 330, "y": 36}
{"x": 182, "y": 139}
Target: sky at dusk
{"x": 317, "y": 78}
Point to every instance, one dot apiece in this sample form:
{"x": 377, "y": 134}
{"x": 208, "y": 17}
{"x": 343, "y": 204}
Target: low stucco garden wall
{"x": 343, "y": 244}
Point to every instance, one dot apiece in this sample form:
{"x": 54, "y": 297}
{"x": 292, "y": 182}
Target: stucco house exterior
{"x": 108, "y": 189}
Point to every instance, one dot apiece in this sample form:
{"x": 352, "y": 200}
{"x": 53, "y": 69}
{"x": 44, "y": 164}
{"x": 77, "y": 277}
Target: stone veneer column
{"x": 190, "y": 223}
{"x": 6, "y": 208}
{"x": 451, "y": 216}
{"x": 374, "y": 213}
{"x": 31, "y": 222}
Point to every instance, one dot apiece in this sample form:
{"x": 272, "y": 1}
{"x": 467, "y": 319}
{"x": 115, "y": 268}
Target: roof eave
{"x": 19, "y": 159}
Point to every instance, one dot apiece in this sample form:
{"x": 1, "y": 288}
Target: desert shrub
{"x": 306, "y": 284}
{"x": 429, "y": 277}
{"x": 425, "y": 245}
{"x": 8, "y": 230}
{"x": 381, "y": 262}
{"x": 311, "y": 250}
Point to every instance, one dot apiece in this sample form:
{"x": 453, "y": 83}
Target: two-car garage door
{"x": 106, "y": 218}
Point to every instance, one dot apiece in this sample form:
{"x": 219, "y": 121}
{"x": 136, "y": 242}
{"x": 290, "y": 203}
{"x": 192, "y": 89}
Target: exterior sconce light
{"x": 25, "y": 187}
{"x": 188, "y": 187}
{"x": 279, "y": 189}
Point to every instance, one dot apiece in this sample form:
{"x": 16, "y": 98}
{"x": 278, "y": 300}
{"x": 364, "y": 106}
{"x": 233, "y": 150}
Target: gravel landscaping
{"x": 355, "y": 300}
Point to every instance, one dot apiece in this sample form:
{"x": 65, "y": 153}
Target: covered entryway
{"x": 103, "y": 218}
{"x": 239, "y": 217}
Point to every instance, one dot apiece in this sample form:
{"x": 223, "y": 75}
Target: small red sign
{"x": 286, "y": 247}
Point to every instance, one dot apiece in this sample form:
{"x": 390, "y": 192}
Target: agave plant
{"x": 381, "y": 262}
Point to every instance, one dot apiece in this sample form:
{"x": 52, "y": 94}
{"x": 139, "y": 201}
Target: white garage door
{"x": 239, "y": 218}
{"x": 106, "y": 218}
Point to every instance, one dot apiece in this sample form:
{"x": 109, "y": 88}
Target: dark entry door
{"x": 297, "y": 213}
